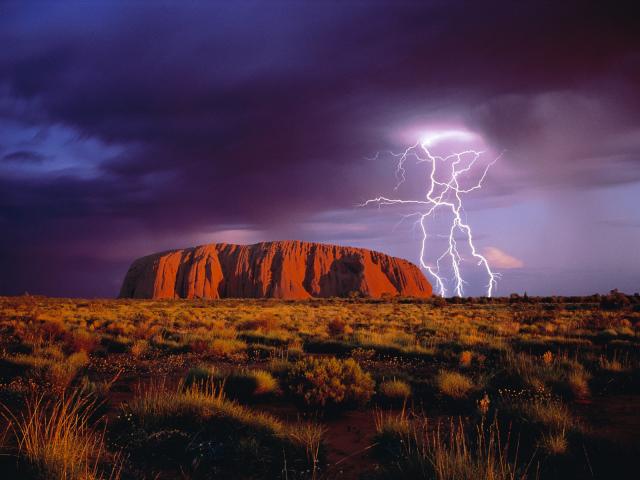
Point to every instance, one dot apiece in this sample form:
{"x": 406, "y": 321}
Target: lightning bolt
{"x": 441, "y": 194}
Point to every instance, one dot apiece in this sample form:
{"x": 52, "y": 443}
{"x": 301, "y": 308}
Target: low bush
{"x": 265, "y": 383}
{"x": 392, "y": 429}
{"x": 52, "y": 330}
{"x": 245, "y": 384}
{"x": 50, "y": 366}
{"x": 279, "y": 366}
{"x": 81, "y": 341}
{"x": 547, "y": 416}
{"x": 115, "y": 344}
{"x": 139, "y": 348}
{"x": 554, "y": 443}
{"x": 266, "y": 323}
{"x": 394, "y": 390}
{"x": 224, "y": 347}
{"x": 272, "y": 338}
{"x": 553, "y": 414}
{"x": 613, "y": 364}
{"x": 578, "y": 382}
{"x": 199, "y": 432}
{"x": 201, "y": 374}
{"x": 338, "y": 327}
{"x": 218, "y": 347}
{"x": 239, "y": 384}
{"x": 453, "y": 384}
{"x": 330, "y": 382}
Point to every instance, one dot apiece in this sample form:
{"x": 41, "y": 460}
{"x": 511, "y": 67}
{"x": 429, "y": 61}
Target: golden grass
{"x": 552, "y": 414}
{"x": 392, "y": 425}
{"x": 614, "y": 364}
{"x": 310, "y": 436}
{"x": 56, "y": 439}
{"x": 156, "y": 406}
{"x": 265, "y": 383}
{"x": 395, "y": 389}
{"x": 548, "y": 353}
{"x": 246, "y": 383}
{"x": 449, "y": 451}
{"x": 139, "y": 348}
{"x": 51, "y": 366}
{"x": 226, "y": 347}
{"x": 453, "y": 384}
{"x": 455, "y": 456}
{"x": 578, "y": 381}
{"x": 555, "y": 443}
{"x": 153, "y": 405}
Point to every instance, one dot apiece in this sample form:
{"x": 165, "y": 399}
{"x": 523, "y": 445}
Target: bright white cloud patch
{"x": 499, "y": 259}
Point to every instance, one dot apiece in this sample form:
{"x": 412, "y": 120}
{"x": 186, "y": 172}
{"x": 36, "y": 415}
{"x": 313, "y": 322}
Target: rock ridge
{"x": 281, "y": 269}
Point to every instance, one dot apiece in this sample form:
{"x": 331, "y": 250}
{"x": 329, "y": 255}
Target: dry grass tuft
{"x": 453, "y": 451}
{"x": 395, "y": 389}
{"x": 555, "y": 443}
{"x": 454, "y": 384}
{"x": 139, "y": 348}
{"x": 56, "y": 440}
{"x": 310, "y": 437}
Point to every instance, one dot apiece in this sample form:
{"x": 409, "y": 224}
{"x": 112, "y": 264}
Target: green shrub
{"x": 329, "y": 382}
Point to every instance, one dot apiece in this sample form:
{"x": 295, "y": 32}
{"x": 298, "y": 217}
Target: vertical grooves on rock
{"x": 288, "y": 269}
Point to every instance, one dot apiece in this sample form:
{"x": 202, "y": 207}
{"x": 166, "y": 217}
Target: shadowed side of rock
{"x": 286, "y": 269}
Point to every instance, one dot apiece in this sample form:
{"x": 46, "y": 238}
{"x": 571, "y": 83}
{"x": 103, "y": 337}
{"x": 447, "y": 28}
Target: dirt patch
{"x": 349, "y": 441}
{"x": 614, "y": 417}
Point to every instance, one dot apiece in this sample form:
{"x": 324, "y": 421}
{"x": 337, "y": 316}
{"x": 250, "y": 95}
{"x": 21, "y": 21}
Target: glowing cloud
{"x": 431, "y": 138}
{"x": 500, "y": 259}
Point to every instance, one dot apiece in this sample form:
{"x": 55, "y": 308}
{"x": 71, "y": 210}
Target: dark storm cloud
{"x": 24, "y": 156}
{"x": 240, "y": 113}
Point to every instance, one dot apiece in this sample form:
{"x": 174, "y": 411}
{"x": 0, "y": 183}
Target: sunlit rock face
{"x": 286, "y": 269}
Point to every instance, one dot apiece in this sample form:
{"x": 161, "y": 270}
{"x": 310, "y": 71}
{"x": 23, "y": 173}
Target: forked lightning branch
{"x": 445, "y": 191}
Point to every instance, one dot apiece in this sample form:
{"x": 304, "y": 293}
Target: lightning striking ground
{"x": 443, "y": 194}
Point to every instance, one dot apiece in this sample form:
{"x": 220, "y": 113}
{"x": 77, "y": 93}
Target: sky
{"x": 128, "y": 128}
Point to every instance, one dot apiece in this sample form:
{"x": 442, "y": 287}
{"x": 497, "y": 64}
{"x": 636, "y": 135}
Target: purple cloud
{"x": 167, "y": 125}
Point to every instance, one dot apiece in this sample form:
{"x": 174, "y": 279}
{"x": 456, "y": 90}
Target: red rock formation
{"x": 288, "y": 269}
